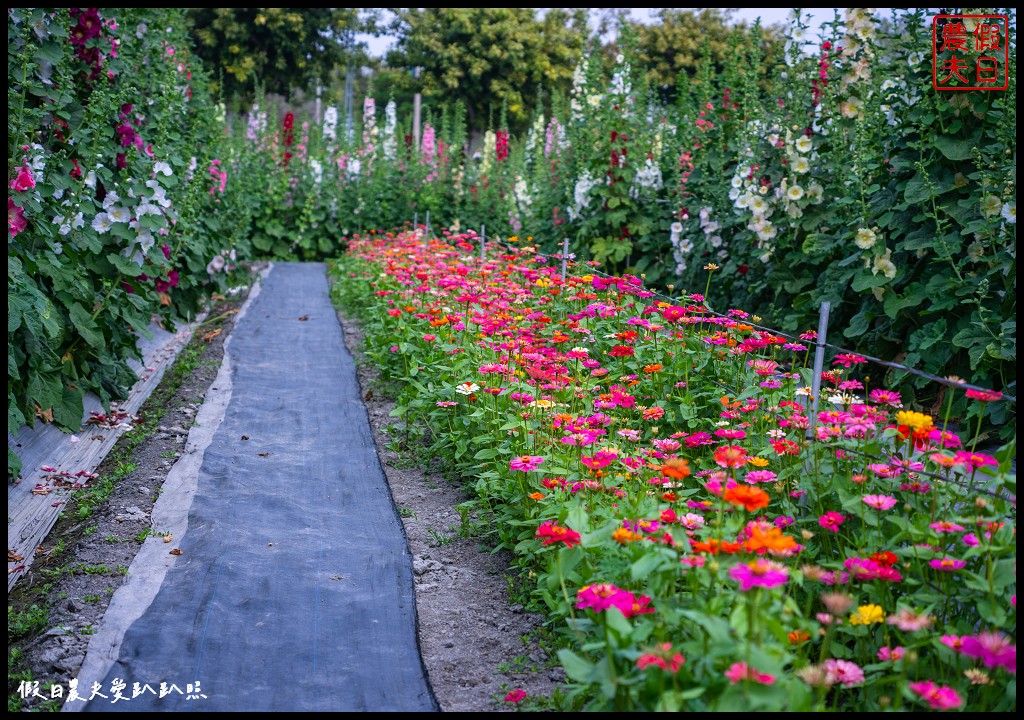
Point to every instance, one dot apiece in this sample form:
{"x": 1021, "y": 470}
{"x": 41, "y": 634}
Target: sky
{"x": 378, "y": 46}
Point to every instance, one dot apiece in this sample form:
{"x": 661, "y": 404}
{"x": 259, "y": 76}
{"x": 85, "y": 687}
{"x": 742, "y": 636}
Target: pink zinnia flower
{"x": 879, "y": 502}
{"x": 553, "y": 533}
{"x": 909, "y": 621}
{"x": 832, "y": 520}
{"x": 741, "y": 671}
{"x": 759, "y": 573}
{"x": 888, "y": 654}
{"x": 948, "y": 564}
{"x": 843, "y": 672}
{"x": 515, "y": 695}
{"x": 993, "y": 648}
{"x": 761, "y": 476}
{"x": 526, "y": 463}
{"x": 938, "y": 697}
{"x": 663, "y": 657}
{"x": 974, "y": 460}
{"x": 598, "y": 597}
{"x": 946, "y": 527}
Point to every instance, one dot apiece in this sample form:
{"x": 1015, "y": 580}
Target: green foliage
{"x": 489, "y": 58}
{"x": 276, "y": 49}
{"x": 683, "y": 40}
{"x": 108, "y": 164}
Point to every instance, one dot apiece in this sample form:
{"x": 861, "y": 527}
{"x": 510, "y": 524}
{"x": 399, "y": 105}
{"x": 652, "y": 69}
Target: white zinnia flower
{"x": 800, "y": 165}
{"x": 794, "y": 192}
{"x": 804, "y": 144}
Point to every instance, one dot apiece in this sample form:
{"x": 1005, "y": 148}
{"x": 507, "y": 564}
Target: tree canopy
{"x": 277, "y": 48}
{"x": 682, "y": 39}
{"x": 489, "y": 58}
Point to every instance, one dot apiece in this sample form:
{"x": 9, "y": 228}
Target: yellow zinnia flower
{"x": 913, "y": 420}
{"x": 867, "y": 614}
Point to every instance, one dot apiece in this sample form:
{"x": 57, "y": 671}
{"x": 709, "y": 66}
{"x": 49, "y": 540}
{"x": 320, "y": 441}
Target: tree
{"x": 277, "y": 48}
{"x": 489, "y": 58}
{"x": 682, "y": 39}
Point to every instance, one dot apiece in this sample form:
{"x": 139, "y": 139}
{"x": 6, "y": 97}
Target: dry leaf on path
{"x": 176, "y": 551}
{"x": 212, "y": 334}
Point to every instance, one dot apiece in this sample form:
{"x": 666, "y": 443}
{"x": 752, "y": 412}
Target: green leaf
{"x": 645, "y": 566}
{"x": 86, "y": 326}
{"x": 125, "y": 266}
{"x": 865, "y": 281}
{"x": 576, "y": 668}
{"x": 858, "y": 325}
{"x": 957, "y": 148}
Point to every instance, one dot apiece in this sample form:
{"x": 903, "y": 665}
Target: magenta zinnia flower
{"x": 760, "y": 476}
{"x": 526, "y": 463}
{"x": 948, "y": 564}
{"x": 993, "y": 648}
{"x": 832, "y": 520}
{"x": 879, "y": 502}
{"x": 759, "y": 573}
{"x": 741, "y": 671}
{"x": 843, "y": 672}
{"x": 938, "y": 697}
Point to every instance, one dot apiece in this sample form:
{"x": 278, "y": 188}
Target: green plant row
{"x": 116, "y": 201}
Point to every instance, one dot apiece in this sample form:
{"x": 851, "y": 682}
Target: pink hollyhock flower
{"x": 23, "y": 180}
{"x": 938, "y": 697}
{"x": 741, "y": 671}
{"x": 16, "y": 221}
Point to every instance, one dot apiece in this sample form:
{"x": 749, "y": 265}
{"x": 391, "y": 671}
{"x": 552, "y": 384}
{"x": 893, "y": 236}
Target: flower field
{"x": 700, "y": 537}
{"x": 716, "y": 509}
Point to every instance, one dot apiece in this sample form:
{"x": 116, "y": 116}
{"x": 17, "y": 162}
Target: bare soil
{"x": 477, "y": 640}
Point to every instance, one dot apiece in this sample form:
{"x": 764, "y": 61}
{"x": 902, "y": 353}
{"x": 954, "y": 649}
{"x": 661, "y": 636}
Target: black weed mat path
{"x": 293, "y": 590}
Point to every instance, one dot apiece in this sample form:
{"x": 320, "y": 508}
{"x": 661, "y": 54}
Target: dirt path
{"x": 476, "y": 642}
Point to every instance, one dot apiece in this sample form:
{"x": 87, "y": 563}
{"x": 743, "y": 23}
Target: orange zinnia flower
{"x": 730, "y": 456}
{"x": 677, "y": 468}
{"x": 771, "y": 540}
{"x": 798, "y": 636}
{"x": 751, "y": 498}
{"x": 714, "y": 546}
